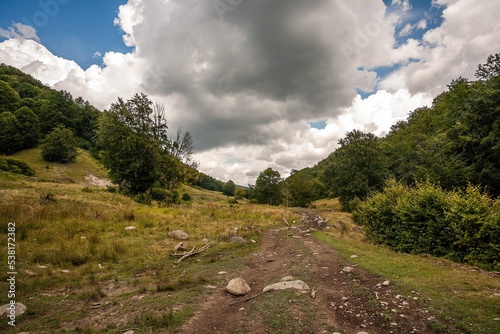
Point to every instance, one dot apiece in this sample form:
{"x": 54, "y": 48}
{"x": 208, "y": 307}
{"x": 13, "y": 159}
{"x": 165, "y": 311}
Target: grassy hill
{"x": 74, "y": 172}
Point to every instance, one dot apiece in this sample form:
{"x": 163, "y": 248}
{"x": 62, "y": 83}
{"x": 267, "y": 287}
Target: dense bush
{"x": 460, "y": 225}
{"x": 16, "y": 166}
{"x": 165, "y": 196}
{"x": 59, "y": 146}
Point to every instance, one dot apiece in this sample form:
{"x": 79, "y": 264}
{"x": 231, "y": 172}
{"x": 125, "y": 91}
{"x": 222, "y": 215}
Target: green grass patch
{"x": 456, "y": 293}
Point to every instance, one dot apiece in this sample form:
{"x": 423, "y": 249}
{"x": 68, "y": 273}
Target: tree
{"x": 229, "y": 188}
{"x": 357, "y": 168}
{"x": 134, "y": 147}
{"x": 59, "y": 145}
{"x": 29, "y": 127}
{"x": 10, "y": 137}
{"x": 239, "y": 193}
{"x": 9, "y": 99}
{"x": 301, "y": 189}
{"x": 267, "y": 187}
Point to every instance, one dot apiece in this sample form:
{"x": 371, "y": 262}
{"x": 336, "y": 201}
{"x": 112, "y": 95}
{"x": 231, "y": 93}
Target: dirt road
{"x": 347, "y": 300}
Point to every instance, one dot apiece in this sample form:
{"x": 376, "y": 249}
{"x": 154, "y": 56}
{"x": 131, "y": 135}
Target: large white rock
{"x": 298, "y": 285}
{"x": 238, "y": 287}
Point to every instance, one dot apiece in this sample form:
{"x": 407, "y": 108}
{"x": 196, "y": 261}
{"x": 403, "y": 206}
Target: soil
{"x": 347, "y": 302}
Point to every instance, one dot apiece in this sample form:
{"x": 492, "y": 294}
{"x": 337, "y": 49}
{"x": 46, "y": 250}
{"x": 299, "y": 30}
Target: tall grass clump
{"x": 461, "y": 225}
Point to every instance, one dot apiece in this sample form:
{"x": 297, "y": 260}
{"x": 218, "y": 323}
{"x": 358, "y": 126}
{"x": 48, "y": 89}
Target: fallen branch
{"x": 259, "y": 294}
{"x": 192, "y": 252}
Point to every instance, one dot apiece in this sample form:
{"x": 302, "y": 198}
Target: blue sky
{"x": 72, "y": 29}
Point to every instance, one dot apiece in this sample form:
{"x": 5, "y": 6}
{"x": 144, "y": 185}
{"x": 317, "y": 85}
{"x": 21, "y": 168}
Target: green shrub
{"x": 16, "y": 166}
{"x": 475, "y": 220}
{"x": 461, "y": 225}
{"x": 186, "y": 197}
{"x": 59, "y": 146}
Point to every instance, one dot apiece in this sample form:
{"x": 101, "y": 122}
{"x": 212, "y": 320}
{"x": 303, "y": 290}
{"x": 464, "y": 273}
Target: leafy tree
{"x": 302, "y": 189}
{"x": 58, "y": 108}
{"x": 28, "y": 127}
{"x": 239, "y": 193}
{"x": 134, "y": 147}
{"x": 357, "y": 168}
{"x": 267, "y": 187}
{"x": 59, "y": 145}
{"x": 10, "y": 136}
{"x": 229, "y": 188}
{"x": 9, "y": 99}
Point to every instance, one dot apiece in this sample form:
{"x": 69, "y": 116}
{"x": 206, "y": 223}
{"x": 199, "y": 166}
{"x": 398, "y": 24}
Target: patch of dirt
{"x": 347, "y": 302}
{"x": 97, "y": 181}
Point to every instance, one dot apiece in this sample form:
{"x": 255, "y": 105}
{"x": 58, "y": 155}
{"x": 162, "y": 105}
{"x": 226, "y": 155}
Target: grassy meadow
{"x": 80, "y": 271}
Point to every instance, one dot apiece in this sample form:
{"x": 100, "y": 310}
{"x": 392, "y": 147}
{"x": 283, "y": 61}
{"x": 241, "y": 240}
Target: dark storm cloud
{"x": 239, "y": 72}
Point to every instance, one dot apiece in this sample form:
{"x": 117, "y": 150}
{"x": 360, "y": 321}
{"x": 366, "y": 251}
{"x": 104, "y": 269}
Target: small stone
{"x": 361, "y": 333}
{"x": 353, "y": 256}
{"x": 287, "y": 278}
{"x": 130, "y": 228}
{"x": 238, "y": 287}
{"x": 394, "y": 324}
{"x": 386, "y": 283}
{"x": 222, "y": 273}
{"x": 65, "y": 271}
{"x": 179, "y": 234}
{"x": 242, "y": 309}
{"x": 235, "y": 239}
{"x": 19, "y": 309}
{"x": 29, "y": 272}
{"x": 496, "y": 319}
{"x": 129, "y": 332}
{"x": 348, "y": 269}
{"x": 253, "y": 241}
{"x": 41, "y": 267}
{"x": 205, "y": 240}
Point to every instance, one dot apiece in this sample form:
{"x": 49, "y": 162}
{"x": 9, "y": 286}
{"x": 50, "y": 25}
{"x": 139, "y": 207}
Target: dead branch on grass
{"x": 192, "y": 252}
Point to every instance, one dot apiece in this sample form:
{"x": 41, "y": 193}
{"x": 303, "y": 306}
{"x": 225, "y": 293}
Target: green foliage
{"x": 9, "y": 99}
{"x": 209, "y": 183}
{"x": 10, "y": 137}
{"x": 15, "y": 166}
{"x": 357, "y": 168}
{"x": 135, "y": 146}
{"x": 239, "y": 193}
{"x": 267, "y": 187}
{"x": 461, "y": 225}
{"x": 59, "y": 146}
{"x": 28, "y": 127}
{"x": 186, "y": 197}
{"x": 229, "y": 188}
{"x": 300, "y": 190}
{"x": 166, "y": 197}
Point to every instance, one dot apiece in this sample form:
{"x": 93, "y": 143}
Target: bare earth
{"x": 347, "y": 303}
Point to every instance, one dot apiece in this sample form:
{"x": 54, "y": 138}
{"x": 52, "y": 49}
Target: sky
{"x": 258, "y": 83}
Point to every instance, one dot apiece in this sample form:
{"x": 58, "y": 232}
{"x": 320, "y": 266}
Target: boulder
{"x": 236, "y": 239}
{"x": 298, "y": 285}
{"x": 7, "y": 308}
{"x": 238, "y": 287}
{"x": 179, "y": 234}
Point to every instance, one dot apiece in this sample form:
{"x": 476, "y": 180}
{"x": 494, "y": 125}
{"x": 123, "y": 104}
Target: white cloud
{"x": 20, "y": 31}
{"x": 97, "y": 54}
{"x": 247, "y": 85}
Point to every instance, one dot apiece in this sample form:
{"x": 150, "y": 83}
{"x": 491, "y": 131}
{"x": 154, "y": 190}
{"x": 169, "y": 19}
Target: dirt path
{"x": 345, "y": 302}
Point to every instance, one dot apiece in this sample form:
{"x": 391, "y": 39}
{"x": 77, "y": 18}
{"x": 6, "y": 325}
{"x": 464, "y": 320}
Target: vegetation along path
{"x": 342, "y": 298}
